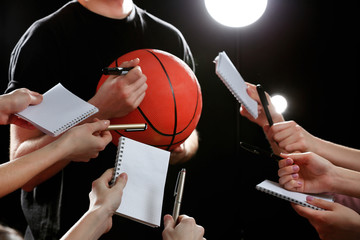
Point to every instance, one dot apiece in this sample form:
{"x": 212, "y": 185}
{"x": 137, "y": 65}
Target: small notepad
{"x": 276, "y": 190}
{"x": 232, "y": 79}
{"x": 146, "y": 167}
{"x": 59, "y": 111}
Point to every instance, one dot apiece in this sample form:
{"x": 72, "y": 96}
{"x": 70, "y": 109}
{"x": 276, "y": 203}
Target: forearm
{"x": 337, "y": 154}
{"x": 345, "y": 181}
{"x": 90, "y": 226}
{"x": 17, "y": 173}
{"x": 20, "y": 147}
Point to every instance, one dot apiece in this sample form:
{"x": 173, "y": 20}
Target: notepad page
{"x": 146, "y": 167}
{"x": 59, "y": 111}
{"x": 232, "y": 79}
{"x": 275, "y": 189}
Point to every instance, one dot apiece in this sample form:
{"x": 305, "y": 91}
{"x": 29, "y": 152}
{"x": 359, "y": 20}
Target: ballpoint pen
{"x": 264, "y": 103}
{"x": 128, "y": 127}
{"x": 116, "y": 70}
{"x": 259, "y": 151}
{"x": 179, "y": 189}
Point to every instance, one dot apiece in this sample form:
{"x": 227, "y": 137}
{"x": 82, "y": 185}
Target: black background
{"x": 305, "y": 50}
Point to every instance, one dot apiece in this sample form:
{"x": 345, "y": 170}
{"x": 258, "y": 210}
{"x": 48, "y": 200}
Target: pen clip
{"x": 177, "y": 184}
{"x": 176, "y": 190}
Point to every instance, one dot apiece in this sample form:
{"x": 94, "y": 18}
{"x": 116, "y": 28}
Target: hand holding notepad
{"x": 232, "y": 79}
{"x": 276, "y": 190}
{"x": 59, "y": 111}
{"x": 146, "y": 167}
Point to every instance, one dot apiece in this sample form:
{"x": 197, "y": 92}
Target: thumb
{"x": 297, "y": 157}
{"x": 35, "y": 98}
{"x": 99, "y": 125}
{"x": 169, "y": 221}
{"x": 326, "y": 205}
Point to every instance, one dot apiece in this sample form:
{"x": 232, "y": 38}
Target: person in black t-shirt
{"x": 71, "y": 46}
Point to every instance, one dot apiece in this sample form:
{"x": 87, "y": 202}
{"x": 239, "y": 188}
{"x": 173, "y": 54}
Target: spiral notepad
{"x": 146, "y": 167}
{"x": 59, "y": 111}
{"x": 232, "y": 79}
{"x": 276, "y": 190}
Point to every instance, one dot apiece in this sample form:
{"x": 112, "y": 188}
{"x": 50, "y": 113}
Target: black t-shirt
{"x": 71, "y": 46}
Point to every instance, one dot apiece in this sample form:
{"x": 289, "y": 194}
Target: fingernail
{"x": 289, "y": 161}
{"x": 295, "y": 175}
{"x": 295, "y": 168}
{"x": 309, "y": 198}
{"x": 106, "y": 122}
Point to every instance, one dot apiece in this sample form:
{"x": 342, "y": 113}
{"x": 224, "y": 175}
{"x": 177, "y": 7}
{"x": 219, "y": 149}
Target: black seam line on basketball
{"x": 173, "y": 94}
{"x": 152, "y": 125}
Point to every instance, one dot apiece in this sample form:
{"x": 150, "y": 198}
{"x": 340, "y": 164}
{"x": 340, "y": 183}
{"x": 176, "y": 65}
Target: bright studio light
{"x": 236, "y": 13}
{"x": 279, "y": 103}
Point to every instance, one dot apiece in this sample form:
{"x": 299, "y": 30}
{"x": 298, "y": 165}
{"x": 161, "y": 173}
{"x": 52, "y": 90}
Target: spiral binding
{"x": 74, "y": 121}
{"x": 288, "y": 198}
{"x": 118, "y": 161}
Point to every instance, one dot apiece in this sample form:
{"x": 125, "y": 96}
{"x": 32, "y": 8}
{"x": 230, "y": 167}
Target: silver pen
{"x": 178, "y": 193}
{"x": 128, "y": 127}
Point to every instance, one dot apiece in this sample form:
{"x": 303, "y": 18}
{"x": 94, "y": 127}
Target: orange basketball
{"x": 172, "y": 104}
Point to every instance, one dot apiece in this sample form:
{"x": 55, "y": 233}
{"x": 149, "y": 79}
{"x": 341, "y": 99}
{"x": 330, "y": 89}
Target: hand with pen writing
{"x": 121, "y": 94}
{"x": 186, "y": 229}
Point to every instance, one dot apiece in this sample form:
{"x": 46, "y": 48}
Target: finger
{"x": 294, "y": 185}
{"x": 297, "y": 157}
{"x": 285, "y": 162}
{"x": 121, "y": 181}
{"x": 35, "y": 98}
{"x": 107, "y": 175}
{"x": 327, "y": 205}
{"x": 131, "y": 63}
{"x": 288, "y": 170}
{"x": 169, "y": 221}
{"x": 99, "y": 125}
{"x": 305, "y": 212}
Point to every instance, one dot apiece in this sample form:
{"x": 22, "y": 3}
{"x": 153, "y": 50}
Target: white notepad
{"x": 276, "y": 190}
{"x": 59, "y": 111}
{"x": 146, "y": 167}
{"x": 232, "y": 79}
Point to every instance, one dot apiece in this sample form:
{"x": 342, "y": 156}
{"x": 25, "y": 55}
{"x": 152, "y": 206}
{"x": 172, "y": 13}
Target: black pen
{"x": 260, "y": 152}
{"x": 264, "y": 103}
{"x": 116, "y": 70}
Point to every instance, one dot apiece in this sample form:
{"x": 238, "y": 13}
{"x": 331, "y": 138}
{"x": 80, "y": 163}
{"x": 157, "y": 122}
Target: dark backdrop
{"x": 305, "y": 50}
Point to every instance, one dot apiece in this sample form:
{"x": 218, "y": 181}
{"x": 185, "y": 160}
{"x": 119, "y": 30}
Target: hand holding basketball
{"x": 120, "y": 95}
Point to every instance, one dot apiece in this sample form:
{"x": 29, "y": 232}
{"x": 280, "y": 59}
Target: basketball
{"x": 172, "y": 104}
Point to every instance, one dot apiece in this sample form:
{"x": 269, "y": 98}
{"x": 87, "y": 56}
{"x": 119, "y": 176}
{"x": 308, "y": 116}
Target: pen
{"x": 116, "y": 71}
{"x": 128, "y": 127}
{"x": 179, "y": 189}
{"x": 259, "y": 151}
{"x": 264, "y": 103}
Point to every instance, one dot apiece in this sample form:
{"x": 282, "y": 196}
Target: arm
{"x": 291, "y": 137}
{"x": 103, "y": 203}
{"x": 308, "y": 172}
{"x": 81, "y": 143}
{"x": 336, "y": 222}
